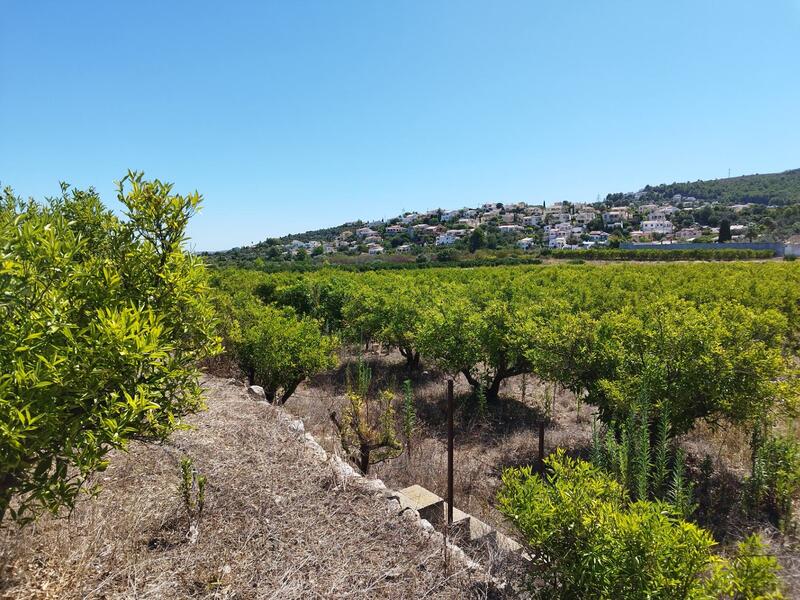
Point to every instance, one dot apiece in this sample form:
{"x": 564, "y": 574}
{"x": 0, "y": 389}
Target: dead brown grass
{"x": 277, "y": 524}
{"x": 507, "y": 437}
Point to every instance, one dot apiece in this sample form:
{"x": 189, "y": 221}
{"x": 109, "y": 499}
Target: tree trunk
{"x": 412, "y": 357}
{"x": 493, "y": 391}
{"x": 288, "y": 391}
{"x": 363, "y": 460}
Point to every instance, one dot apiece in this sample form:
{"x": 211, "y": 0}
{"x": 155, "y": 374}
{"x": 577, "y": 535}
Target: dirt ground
{"x": 276, "y": 524}
{"x": 507, "y": 436}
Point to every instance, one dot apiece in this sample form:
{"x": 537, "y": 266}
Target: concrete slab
{"x": 418, "y": 497}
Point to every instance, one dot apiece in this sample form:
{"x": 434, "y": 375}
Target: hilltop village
{"x": 561, "y": 225}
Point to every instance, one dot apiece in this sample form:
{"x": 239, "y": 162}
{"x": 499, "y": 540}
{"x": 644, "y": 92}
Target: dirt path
{"x": 277, "y": 524}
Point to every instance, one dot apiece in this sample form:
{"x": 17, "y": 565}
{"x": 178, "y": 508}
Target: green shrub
{"x": 587, "y": 540}
{"x": 281, "y": 350}
{"x": 775, "y": 480}
{"x": 103, "y": 323}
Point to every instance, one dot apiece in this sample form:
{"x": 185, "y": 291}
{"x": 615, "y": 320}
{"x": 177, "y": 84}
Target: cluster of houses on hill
{"x": 558, "y": 225}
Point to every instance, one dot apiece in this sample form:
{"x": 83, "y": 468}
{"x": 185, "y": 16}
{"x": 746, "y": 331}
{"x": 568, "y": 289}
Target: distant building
{"x": 664, "y": 227}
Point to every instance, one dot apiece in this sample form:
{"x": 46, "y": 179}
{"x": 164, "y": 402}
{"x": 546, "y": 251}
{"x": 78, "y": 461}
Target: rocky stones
{"x": 256, "y": 392}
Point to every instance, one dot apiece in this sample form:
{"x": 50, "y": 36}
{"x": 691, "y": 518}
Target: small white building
{"x": 446, "y": 239}
{"x": 615, "y": 215}
{"x": 664, "y": 227}
{"x": 532, "y": 220}
{"x": 365, "y": 232}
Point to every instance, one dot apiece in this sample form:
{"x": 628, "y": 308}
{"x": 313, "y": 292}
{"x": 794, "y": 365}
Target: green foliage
{"x": 692, "y": 356}
{"x": 278, "y": 347}
{"x": 367, "y": 429}
{"x": 192, "y": 488}
{"x": 640, "y": 466}
{"x": 283, "y": 350}
{"x": 587, "y": 540}
{"x": 104, "y": 321}
{"x": 775, "y": 480}
{"x": 605, "y": 333}
{"x": 681, "y": 491}
{"x": 751, "y": 574}
{"x": 770, "y": 188}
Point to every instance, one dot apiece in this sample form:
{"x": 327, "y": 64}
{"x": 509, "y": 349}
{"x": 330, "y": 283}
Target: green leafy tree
{"x": 724, "y": 231}
{"x": 280, "y": 350}
{"x": 104, "y": 322}
{"x": 477, "y": 240}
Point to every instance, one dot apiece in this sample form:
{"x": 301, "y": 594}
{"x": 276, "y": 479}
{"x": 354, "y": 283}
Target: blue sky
{"x": 300, "y": 114}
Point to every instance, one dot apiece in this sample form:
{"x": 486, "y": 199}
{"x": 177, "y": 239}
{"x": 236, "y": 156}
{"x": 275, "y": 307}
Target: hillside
{"x": 277, "y": 524}
{"x": 760, "y": 207}
{"x": 771, "y": 188}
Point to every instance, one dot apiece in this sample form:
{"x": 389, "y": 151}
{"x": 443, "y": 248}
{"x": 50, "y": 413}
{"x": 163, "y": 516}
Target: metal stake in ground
{"x": 449, "y": 452}
{"x": 540, "y": 463}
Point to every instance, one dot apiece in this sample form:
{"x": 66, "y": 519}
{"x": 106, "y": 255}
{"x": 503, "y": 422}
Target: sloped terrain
{"x": 277, "y": 524}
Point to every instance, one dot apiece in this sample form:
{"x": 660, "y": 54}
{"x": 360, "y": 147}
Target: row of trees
{"x": 654, "y": 347}
{"x": 594, "y": 330}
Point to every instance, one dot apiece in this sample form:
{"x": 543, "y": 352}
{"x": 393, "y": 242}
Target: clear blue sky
{"x": 300, "y": 114}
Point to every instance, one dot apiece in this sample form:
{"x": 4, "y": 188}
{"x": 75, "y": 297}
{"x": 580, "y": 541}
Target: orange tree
{"x": 104, "y": 321}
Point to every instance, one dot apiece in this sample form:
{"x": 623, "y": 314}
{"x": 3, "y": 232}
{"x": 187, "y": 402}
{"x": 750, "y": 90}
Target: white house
{"x": 395, "y": 230}
{"x": 510, "y": 228}
{"x": 446, "y": 239}
{"x": 585, "y": 217}
{"x": 526, "y": 243}
{"x": 559, "y": 217}
{"x": 532, "y": 220}
{"x": 375, "y": 249}
{"x": 365, "y": 232}
{"x": 558, "y": 242}
{"x": 615, "y": 215}
{"x": 664, "y": 227}
{"x": 688, "y": 234}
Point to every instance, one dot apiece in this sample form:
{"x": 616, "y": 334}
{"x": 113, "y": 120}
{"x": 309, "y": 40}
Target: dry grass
{"x": 507, "y": 437}
{"x": 277, "y": 524}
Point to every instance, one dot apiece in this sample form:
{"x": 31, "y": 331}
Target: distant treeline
{"x": 611, "y": 254}
{"x": 772, "y": 188}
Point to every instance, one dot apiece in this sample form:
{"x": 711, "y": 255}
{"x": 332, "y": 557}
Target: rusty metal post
{"x": 449, "y": 452}
{"x": 541, "y": 447}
